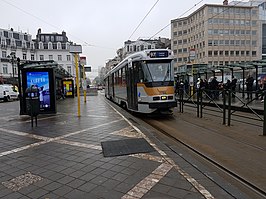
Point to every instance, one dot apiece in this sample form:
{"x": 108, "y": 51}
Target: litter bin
{"x": 32, "y": 102}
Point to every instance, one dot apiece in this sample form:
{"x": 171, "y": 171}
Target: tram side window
{"x": 140, "y": 72}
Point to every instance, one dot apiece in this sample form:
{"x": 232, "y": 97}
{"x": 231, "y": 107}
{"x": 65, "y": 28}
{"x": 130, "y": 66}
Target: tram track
{"x": 169, "y": 132}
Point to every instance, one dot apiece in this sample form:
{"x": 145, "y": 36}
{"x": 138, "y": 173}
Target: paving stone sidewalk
{"x": 62, "y": 158}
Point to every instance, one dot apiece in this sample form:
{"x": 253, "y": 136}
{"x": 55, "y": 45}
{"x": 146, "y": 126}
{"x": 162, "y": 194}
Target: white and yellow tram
{"x": 143, "y": 82}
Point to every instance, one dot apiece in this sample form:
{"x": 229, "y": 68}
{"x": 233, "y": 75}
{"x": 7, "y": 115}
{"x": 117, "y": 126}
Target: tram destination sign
{"x": 158, "y": 54}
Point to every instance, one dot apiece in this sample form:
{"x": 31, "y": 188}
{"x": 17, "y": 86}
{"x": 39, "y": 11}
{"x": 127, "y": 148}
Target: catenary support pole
{"x": 77, "y": 82}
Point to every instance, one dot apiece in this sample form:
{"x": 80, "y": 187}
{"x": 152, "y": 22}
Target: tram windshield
{"x": 159, "y": 71}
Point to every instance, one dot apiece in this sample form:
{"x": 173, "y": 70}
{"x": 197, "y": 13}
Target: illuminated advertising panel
{"x": 44, "y": 80}
{"x": 41, "y": 80}
{"x": 68, "y": 88}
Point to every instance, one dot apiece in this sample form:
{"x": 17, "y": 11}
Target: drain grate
{"x": 126, "y": 147}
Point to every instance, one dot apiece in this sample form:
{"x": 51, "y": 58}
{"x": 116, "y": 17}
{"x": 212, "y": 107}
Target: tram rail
{"x": 242, "y": 179}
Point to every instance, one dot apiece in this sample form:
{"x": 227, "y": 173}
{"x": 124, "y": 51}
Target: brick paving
{"x": 62, "y": 158}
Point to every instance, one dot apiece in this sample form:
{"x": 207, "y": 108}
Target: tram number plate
{"x": 158, "y": 54}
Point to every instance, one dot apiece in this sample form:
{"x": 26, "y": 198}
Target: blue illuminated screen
{"x": 41, "y": 80}
{"x": 158, "y": 54}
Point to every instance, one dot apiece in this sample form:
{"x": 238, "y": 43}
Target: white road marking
{"x": 147, "y": 183}
{"x": 189, "y": 178}
{"x": 52, "y": 139}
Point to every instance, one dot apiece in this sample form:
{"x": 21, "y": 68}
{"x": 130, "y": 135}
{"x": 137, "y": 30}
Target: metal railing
{"x": 225, "y": 102}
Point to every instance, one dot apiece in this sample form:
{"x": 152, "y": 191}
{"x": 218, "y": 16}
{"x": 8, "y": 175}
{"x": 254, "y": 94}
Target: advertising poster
{"x": 41, "y": 80}
{"x": 68, "y": 88}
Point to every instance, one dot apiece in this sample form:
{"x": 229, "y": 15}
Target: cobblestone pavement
{"x": 62, "y": 158}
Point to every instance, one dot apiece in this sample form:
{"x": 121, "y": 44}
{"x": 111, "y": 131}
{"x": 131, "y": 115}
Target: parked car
{"x": 8, "y": 92}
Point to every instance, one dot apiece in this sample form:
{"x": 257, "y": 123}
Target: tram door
{"x": 132, "y": 98}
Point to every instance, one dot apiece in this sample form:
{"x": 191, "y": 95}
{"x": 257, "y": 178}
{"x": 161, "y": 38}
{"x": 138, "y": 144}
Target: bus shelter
{"x": 47, "y": 77}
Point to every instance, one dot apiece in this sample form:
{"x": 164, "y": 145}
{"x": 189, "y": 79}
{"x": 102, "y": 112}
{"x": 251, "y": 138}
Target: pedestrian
{"x": 249, "y": 84}
{"x": 227, "y": 85}
{"x": 233, "y": 86}
{"x": 262, "y": 89}
{"x": 214, "y": 86}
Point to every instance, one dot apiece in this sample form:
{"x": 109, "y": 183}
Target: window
{"x": 254, "y": 43}
{"x": 215, "y": 53}
{"x": 24, "y": 56}
{"x": 242, "y": 53}
{"x": 247, "y": 53}
{"x": 68, "y": 58}
{"x": 32, "y": 57}
{"x": 59, "y": 57}
{"x": 50, "y": 45}
{"x": 221, "y": 52}
{"x": 179, "y": 33}
{"x": 226, "y": 53}
{"x": 5, "y": 71}
{"x": 69, "y": 69}
{"x": 179, "y": 51}
{"x": 210, "y": 53}
{"x": 232, "y": 53}
{"x": 3, "y": 54}
{"x": 254, "y": 53}
{"x": 51, "y": 57}
{"x": 41, "y": 57}
{"x": 237, "y": 53}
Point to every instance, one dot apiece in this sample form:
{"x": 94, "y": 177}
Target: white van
{"x": 7, "y": 92}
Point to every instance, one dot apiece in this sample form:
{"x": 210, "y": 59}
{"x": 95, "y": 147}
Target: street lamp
{"x": 12, "y": 58}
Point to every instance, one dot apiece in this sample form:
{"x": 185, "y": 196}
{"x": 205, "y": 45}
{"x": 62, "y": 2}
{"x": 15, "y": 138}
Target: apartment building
{"x": 14, "y": 44}
{"x": 54, "y": 46}
{"x": 217, "y": 35}
{"x": 143, "y": 44}
{"x": 46, "y": 46}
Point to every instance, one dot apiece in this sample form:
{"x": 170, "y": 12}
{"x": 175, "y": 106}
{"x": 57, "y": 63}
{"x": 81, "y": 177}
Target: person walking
{"x": 249, "y": 84}
{"x": 233, "y": 86}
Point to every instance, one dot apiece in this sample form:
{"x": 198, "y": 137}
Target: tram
{"x": 143, "y": 82}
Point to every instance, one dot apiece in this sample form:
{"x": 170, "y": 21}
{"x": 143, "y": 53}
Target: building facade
{"x": 143, "y": 44}
{"x": 217, "y": 35}
{"x": 13, "y": 45}
{"x": 46, "y": 46}
{"x": 54, "y": 46}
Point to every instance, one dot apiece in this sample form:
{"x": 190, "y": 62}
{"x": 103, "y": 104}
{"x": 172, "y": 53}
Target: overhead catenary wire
{"x": 56, "y": 27}
{"x": 143, "y": 19}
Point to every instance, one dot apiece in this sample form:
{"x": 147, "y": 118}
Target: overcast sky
{"x": 101, "y": 26}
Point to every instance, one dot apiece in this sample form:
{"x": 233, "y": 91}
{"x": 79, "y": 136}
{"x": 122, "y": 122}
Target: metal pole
{"x": 198, "y": 97}
{"x": 229, "y": 107}
{"x": 84, "y": 80}
{"x": 19, "y": 87}
{"x": 264, "y": 119}
{"x": 77, "y": 82}
{"x": 224, "y": 106}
